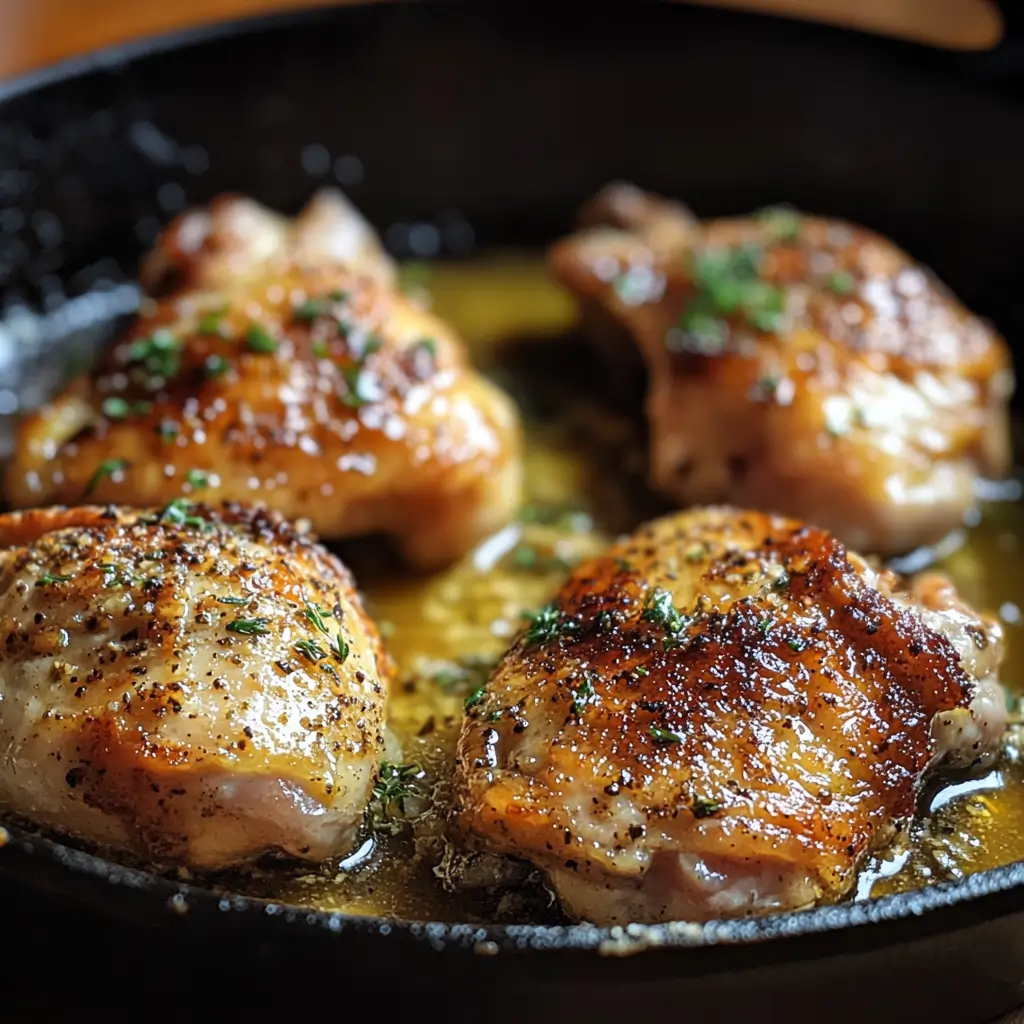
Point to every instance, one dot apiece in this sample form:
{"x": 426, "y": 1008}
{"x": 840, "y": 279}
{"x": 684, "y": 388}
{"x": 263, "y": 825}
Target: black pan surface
{"x": 490, "y": 122}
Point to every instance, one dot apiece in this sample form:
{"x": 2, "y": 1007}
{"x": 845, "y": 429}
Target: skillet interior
{"x": 514, "y": 118}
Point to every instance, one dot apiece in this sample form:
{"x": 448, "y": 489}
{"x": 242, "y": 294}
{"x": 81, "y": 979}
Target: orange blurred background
{"x": 34, "y": 33}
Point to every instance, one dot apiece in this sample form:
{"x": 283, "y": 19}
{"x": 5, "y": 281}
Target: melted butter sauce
{"x": 584, "y": 471}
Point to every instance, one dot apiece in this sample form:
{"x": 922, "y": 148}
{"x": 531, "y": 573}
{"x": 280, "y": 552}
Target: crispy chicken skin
{"x": 721, "y": 717}
{"x": 166, "y": 692}
{"x": 800, "y": 365}
{"x": 284, "y": 378}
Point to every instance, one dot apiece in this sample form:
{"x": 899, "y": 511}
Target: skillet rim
{"x": 975, "y": 891}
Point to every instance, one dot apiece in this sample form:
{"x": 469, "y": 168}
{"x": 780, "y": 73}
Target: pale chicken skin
{"x": 277, "y": 373}
{"x": 795, "y": 364}
{"x": 721, "y": 717}
{"x": 190, "y": 686}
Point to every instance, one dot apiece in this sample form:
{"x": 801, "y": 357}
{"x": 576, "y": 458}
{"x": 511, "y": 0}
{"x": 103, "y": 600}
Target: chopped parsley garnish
{"x": 395, "y": 783}
{"x": 727, "y": 283}
{"x": 582, "y": 696}
{"x": 49, "y": 578}
{"x": 215, "y": 366}
{"x": 320, "y": 349}
{"x": 159, "y": 354}
{"x": 250, "y": 627}
{"x": 765, "y": 625}
{"x": 107, "y": 468}
{"x": 196, "y": 479}
{"x": 259, "y": 339}
{"x": 352, "y": 376}
{"x": 660, "y": 611}
{"x": 177, "y": 513}
{"x": 115, "y": 408}
{"x": 781, "y": 222}
{"x": 545, "y": 624}
{"x": 211, "y": 323}
{"x": 168, "y": 430}
{"x": 310, "y": 649}
{"x": 704, "y": 808}
{"x": 642, "y": 670}
{"x": 233, "y": 600}
{"x": 427, "y": 345}
{"x": 308, "y": 311}
{"x": 796, "y": 645}
{"x": 695, "y": 554}
{"x": 841, "y": 282}
{"x": 665, "y": 735}
{"x": 474, "y": 698}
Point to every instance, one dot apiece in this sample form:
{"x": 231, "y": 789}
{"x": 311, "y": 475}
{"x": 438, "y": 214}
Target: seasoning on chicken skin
{"x": 800, "y": 365}
{"x": 191, "y": 686}
{"x": 721, "y": 717}
{"x": 283, "y": 378}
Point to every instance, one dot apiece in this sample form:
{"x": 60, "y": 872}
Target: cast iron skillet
{"x": 489, "y": 123}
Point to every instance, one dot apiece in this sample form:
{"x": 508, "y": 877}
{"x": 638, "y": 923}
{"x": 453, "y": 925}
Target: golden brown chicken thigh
{"x": 721, "y": 717}
{"x": 284, "y": 369}
{"x": 191, "y": 686}
{"x": 800, "y": 365}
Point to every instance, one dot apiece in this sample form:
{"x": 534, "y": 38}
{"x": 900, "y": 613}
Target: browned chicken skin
{"x": 192, "y": 686}
{"x": 720, "y": 717}
{"x": 284, "y": 369}
{"x": 795, "y": 364}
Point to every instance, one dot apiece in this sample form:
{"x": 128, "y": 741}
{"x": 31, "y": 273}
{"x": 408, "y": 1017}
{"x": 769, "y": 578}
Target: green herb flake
{"x": 249, "y": 627}
{"x": 317, "y": 616}
{"x": 107, "y": 468}
{"x": 115, "y": 408}
{"x": 474, "y": 698}
{"x": 841, "y": 282}
{"x": 215, "y": 366}
{"x": 168, "y": 430}
{"x": 704, "y": 808}
{"x": 159, "y": 355}
{"x": 582, "y": 695}
{"x": 660, "y": 610}
{"x": 426, "y": 345}
{"x": 321, "y": 349}
{"x": 311, "y": 650}
{"x": 695, "y": 554}
{"x": 665, "y": 735}
{"x": 212, "y": 322}
{"x": 178, "y": 513}
{"x": 796, "y": 645}
{"x": 48, "y": 579}
{"x": 765, "y": 625}
{"x": 352, "y": 376}
{"x": 196, "y": 479}
{"x": 259, "y": 339}
{"x": 545, "y": 624}
{"x": 395, "y": 784}
{"x": 306, "y": 312}
{"x": 525, "y": 557}
{"x": 782, "y": 223}
{"x": 642, "y": 670}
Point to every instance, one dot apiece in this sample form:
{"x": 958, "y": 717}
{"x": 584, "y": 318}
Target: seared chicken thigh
{"x": 190, "y": 686}
{"x": 286, "y": 371}
{"x": 721, "y": 717}
{"x": 800, "y": 365}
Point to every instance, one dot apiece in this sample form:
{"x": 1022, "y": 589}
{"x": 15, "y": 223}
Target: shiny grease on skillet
{"x": 446, "y": 630}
